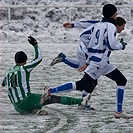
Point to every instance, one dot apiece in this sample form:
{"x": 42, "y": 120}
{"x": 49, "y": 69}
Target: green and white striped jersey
{"x": 17, "y": 78}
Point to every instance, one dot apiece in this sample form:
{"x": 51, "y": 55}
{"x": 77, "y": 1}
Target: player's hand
{"x": 67, "y": 25}
{"x": 32, "y": 41}
{"x": 82, "y": 68}
{"x": 123, "y": 43}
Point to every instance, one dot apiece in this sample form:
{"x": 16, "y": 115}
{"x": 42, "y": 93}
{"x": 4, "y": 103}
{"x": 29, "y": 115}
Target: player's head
{"x": 109, "y": 11}
{"x": 120, "y": 24}
{"x": 20, "y": 57}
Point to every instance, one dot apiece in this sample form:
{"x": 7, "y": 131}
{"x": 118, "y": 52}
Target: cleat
{"x": 84, "y": 104}
{"x": 86, "y": 99}
{"x": 58, "y": 59}
{"x": 46, "y": 95}
{"x": 122, "y": 114}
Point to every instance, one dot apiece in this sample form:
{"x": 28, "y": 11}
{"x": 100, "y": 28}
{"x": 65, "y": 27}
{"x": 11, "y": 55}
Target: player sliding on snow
{"x": 17, "y": 79}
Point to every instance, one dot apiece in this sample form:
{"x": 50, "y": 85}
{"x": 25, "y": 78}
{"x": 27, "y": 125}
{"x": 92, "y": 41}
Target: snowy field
{"x": 63, "y": 118}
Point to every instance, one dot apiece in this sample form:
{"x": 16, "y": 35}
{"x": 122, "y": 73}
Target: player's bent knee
{"x": 121, "y": 82}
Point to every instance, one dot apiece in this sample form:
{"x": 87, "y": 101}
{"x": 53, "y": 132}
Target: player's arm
{"x": 80, "y": 24}
{"x": 38, "y": 56}
{"x": 112, "y": 41}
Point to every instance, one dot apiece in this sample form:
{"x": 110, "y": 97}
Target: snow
{"x": 53, "y": 39}
{"x": 62, "y": 118}
{"x": 47, "y": 23}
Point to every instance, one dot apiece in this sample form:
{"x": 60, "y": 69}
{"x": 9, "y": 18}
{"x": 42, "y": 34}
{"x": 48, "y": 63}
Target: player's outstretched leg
{"x": 82, "y": 102}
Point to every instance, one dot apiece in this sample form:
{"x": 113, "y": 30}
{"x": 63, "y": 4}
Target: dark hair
{"x": 109, "y": 10}
{"x": 20, "y": 57}
{"x": 120, "y": 21}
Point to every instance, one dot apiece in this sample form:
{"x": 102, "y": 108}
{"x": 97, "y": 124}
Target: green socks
{"x": 70, "y": 101}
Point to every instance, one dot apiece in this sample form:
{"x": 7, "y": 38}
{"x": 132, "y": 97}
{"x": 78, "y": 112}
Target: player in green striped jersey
{"x": 17, "y": 79}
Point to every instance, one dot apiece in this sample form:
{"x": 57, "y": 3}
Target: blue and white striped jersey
{"x": 100, "y": 40}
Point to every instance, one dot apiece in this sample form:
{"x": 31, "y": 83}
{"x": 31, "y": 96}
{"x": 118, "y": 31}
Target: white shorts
{"x": 95, "y": 72}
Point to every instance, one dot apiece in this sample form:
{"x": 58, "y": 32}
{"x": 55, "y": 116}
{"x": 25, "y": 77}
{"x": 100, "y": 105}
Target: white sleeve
{"x": 37, "y": 59}
{"x": 111, "y": 38}
{"x": 84, "y": 24}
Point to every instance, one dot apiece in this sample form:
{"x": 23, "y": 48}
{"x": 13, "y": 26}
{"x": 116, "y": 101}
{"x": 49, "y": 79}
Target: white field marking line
{"x": 62, "y": 121}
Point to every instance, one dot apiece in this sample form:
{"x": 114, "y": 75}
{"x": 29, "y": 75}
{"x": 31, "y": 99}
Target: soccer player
{"x": 100, "y": 45}
{"x": 82, "y": 60}
{"x": 17, "y": 79}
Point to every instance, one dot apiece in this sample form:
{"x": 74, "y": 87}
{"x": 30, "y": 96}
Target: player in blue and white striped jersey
{"x": 82, "y": 60}
{"x": 100, "y": 45}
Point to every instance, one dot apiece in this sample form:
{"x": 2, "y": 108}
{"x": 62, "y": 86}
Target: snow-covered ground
{"x": 62, "y": 118}
{"x": 53, "y": 39}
